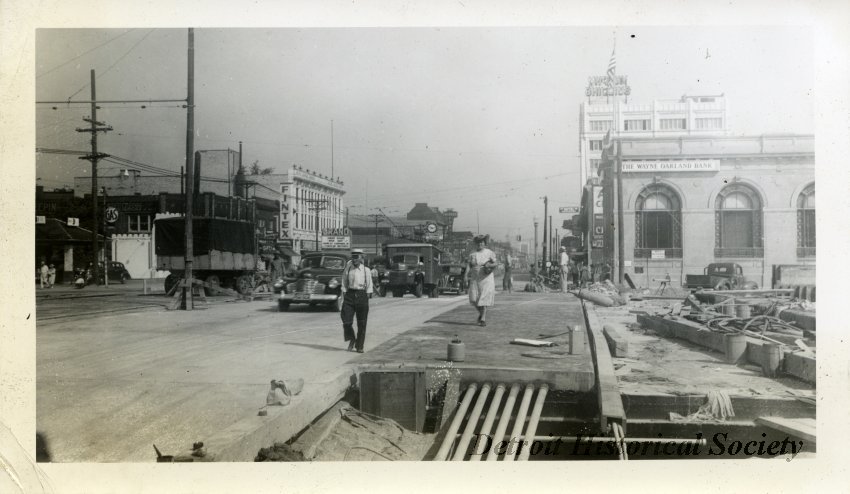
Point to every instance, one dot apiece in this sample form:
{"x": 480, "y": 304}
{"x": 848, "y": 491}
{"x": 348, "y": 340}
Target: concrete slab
{"x": 489, "y": 353}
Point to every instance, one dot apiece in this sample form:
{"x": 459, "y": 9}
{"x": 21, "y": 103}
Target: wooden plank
{"x": 801, "y": 366}
{"x": 617, "y": 344}
{"x": 608, "y": 389}
{"x": 804, "y": 428}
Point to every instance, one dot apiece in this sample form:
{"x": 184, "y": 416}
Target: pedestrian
{"x": 356, "y": 288}
{"x": 51, "y": 276}
{"x": 584, "y": 277}
{"x": 277, "y": 269}
{"x": 482, "y": 284}
{"x": 564, "y": 264}
{"x": 574, "y": 273}
{"x": 44, "y": 273}
{"x": 507, "y": 280}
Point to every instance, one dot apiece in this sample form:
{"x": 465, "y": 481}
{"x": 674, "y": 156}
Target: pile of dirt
{"x": 359, "y": 436}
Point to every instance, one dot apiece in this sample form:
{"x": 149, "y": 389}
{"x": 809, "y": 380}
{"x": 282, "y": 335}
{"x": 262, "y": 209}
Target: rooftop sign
{"x": 602, "y": 85}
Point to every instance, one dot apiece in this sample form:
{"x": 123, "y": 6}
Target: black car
{"x": 318, "y": 281}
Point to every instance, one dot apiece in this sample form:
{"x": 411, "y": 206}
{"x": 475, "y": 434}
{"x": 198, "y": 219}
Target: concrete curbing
{"x": 242, "y": 440}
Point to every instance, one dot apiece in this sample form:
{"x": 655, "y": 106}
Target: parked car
{"x": 453, "y": 279}
{"x": 116, "y": 271}
{"x": 318, "y": 281}
{"x": 414, "y": 268}
{"x": 720, "y": 276}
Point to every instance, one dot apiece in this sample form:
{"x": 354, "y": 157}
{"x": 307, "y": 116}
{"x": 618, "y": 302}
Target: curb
{"x": 242, "y": 440}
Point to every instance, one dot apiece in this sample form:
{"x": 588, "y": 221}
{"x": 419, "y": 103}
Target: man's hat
{"x": 357, "y": 251}
{"x": 563, "y": 248}
{"x": 481, "y": 238}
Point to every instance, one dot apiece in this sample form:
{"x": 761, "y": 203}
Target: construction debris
{"x": 717, "y": 406}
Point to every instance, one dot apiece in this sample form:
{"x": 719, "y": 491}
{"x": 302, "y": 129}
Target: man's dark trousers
{"x": 356, "y": 302}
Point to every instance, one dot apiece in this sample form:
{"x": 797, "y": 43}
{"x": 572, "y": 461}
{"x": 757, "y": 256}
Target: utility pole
{"x": 105, "y": 266}
{"x": 621, "y": 243}
{"x": 320, "y": 205}
{"x": 545, "y": 233}
{"x": 189, "y": 198}
{"x": 377, "y": 218}
{"x": 535, "y": 243}
{"x": 551, "y": 243}
{"x": 94, "y": 128}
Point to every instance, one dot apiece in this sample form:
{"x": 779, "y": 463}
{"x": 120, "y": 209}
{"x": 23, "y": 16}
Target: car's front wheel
{"x": 282, "y": 306}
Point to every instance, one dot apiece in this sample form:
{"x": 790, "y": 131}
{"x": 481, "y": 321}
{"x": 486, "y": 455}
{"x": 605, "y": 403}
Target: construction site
{"x": 597, "y": 373}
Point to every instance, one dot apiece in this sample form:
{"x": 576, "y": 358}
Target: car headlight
{"x": 333, "y": 283}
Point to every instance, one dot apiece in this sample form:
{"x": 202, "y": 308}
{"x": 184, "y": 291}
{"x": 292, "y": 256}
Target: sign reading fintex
{"x": 672, "y": 166}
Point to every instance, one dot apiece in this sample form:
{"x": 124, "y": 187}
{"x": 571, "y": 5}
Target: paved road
{"x": 111, "y": 384}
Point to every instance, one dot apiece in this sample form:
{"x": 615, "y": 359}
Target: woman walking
{"x": 482, "y": 283}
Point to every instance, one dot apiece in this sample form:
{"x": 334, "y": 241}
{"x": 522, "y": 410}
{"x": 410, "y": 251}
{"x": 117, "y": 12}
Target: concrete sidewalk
{"x": 153, "y": 286}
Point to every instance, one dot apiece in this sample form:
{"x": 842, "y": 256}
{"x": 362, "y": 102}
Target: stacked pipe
{"x": 516, "y": 448}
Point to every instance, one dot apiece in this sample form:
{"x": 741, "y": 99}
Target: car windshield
{"x": 405, "y": 259}
{"x": 310, "y": 262}
{"x": 333, "y": 263}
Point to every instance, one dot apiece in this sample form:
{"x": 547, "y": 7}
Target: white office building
{"x": 310, "y": 204}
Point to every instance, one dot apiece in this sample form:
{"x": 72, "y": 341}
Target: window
{"x": 594, "y": 166}
{"x": 806, "y": 222}
{"x": 138, "y": 223}
{"x": 738, "y": 223}
{"x": 709, "y": 123}
{"x": 596, "y": 145}
{"x": 600, "y": 125}
{"x": 673, "y": 124}
{"x": 658, "y": 222}
{"x": 638, "y": 125}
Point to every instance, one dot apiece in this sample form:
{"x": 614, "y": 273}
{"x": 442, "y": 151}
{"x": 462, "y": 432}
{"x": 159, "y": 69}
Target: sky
{"x": 480, "y": 119}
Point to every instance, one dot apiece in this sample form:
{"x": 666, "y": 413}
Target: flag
{"x": 611, "y": 67}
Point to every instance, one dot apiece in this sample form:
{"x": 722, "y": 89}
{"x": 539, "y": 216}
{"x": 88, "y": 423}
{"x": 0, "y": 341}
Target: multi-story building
{"x": 310, "y": 204}
{"x": 688, "y": 201}
{"x": 686, "y": 116}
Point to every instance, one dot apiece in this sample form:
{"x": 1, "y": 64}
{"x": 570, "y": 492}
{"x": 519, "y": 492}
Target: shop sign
{"x": 657, "y": 166}
{"x": 597, "y": 199}
{"x": 568, "y": 209}
{"x": 40, "y": 220}
{"x": 111, "y": 215}
{"x": 336, "y": 241}
{"x": 73, "y": 222}
{"x": 658, "y": 254}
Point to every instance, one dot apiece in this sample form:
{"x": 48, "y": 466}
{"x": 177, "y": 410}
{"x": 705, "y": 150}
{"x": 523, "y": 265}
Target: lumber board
{"x": 617, "y": 344}
{"x": 804, "y": 428}
{"x": 608, "y": 390}
{"x": 801, "y": 366}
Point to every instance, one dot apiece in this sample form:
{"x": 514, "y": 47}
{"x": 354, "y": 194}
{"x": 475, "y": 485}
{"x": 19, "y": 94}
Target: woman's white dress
{"x": 482, "y": 287}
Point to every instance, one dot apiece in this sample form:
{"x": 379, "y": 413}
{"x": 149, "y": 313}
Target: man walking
{"x": 356, "y": 288}
{"x": 564, "y": 263}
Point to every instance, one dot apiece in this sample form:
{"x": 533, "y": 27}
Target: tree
{"x": 256, "y": 170}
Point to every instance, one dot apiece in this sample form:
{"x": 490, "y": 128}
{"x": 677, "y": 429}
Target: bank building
{"x": 685, "y": 192}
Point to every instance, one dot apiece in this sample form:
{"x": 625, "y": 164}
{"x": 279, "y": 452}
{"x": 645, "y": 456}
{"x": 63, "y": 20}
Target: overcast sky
{"x": 482, "y": 120}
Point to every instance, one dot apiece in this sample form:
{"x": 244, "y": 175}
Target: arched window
{"x": 738, "y": 223}
{"x": 658, "y": 222}
{"x": 806, "y": 222}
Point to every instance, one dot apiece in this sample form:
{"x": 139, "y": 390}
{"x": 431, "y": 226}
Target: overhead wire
{"x": 98, "y": 76}
{"x": 84, "y": 53}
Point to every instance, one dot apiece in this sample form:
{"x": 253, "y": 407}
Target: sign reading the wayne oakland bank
{"x": 672, "y": 166}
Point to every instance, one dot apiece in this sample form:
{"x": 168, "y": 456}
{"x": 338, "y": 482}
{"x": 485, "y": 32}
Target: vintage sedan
{"x": 318, "y": 281}
{"x": 453, "y": 279}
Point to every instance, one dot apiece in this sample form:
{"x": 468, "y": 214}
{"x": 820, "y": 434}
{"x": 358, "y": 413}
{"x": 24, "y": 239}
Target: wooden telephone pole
{"x": 94, "y": 128}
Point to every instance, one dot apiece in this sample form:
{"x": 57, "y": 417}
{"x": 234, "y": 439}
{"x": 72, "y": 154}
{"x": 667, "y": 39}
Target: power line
{"x": 116, "y": 62}
{"x": 84, "y": 54}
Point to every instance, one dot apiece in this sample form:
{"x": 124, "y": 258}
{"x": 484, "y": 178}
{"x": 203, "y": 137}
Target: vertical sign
{"x": 598, "y": 221}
